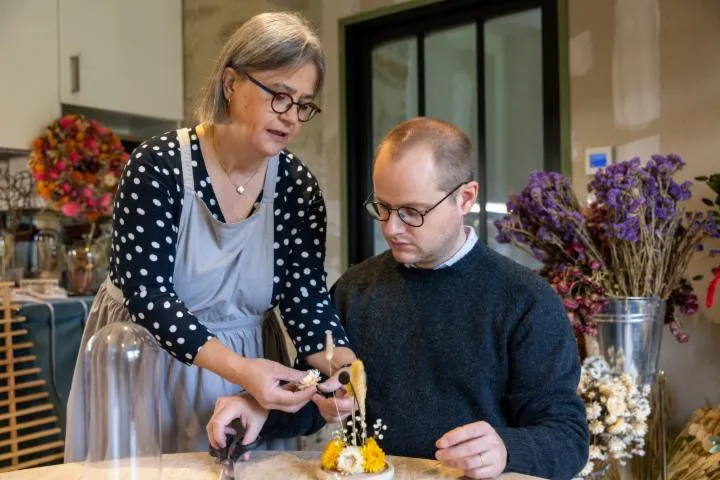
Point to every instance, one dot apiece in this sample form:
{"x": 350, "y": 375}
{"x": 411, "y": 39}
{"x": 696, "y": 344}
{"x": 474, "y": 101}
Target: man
{"x": 470, "y": 356}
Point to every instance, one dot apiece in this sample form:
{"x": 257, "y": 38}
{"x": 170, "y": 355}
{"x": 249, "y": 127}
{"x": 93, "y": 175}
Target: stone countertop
{"x": 262, "y": 466}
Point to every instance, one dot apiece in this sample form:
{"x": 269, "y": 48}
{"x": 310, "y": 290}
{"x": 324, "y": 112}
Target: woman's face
{"x": 252, "y": 119}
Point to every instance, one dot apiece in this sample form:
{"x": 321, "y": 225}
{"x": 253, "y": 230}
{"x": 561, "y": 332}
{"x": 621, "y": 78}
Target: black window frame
{"x": 359, "y": 40}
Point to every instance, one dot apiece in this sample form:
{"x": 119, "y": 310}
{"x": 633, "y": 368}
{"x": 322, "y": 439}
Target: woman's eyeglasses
{"x": 282, "y": 102}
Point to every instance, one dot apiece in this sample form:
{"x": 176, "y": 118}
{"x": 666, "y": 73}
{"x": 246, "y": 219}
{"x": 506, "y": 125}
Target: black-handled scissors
{"x": 234, "y": 449}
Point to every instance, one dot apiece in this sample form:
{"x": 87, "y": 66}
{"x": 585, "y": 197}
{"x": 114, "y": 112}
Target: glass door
{"x": 487, "y": 70}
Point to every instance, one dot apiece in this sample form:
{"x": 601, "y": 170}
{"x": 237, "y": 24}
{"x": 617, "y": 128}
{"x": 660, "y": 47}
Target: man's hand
{"x": 227, "y": 409}
{"x": 338, "y": 407}
{"x": 334, "y": 409}
{"x": 475, "y": 448}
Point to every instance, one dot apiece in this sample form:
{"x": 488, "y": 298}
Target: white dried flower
{"x": 616, "y": 406}
{"x": 593, "y": 411}
{"x": 617, "y": 411}
{"x": 618, "y": 427}
{"x": 639, "y": 429}
{"x": 350, "y": 461}
{"x": 596, "y": 428}
{"x": 616, "y": 445}
{"x": 596, "y": 453}
{"x": 311, "y": 379}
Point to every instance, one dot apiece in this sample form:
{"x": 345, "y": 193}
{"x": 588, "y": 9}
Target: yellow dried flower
{"x": 330, "y": 455}
{"x": 373, "y": 456}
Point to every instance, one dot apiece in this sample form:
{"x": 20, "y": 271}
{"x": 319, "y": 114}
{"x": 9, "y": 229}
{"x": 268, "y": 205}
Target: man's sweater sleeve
{"x": 281, "y": 424}
{"x": 549, "y": 435}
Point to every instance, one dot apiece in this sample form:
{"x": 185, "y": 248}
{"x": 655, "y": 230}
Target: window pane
{"x": 513, "y": 113}
{"x": 451, "y": 82}
{"x": 394, "y": 95}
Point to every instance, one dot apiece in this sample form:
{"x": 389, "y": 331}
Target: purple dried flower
{"x": 636, "y": 239}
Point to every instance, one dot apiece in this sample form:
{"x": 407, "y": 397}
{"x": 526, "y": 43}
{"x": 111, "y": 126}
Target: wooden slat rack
{"x": 29, "y": 434}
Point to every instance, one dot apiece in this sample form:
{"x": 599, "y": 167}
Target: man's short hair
{"x": 452, "y": 150}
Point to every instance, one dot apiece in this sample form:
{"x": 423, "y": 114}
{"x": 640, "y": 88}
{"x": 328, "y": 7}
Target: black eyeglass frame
{"x": 368, "y": 204}
{"x": 286, "y": 97}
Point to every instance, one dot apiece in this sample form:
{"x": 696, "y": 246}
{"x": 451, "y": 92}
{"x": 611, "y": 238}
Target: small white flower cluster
{"x": 378, "y": 428}
{"x": 348, "y": 436}
{"x": 617, "y": 411}
{"x": 353, "y": 432}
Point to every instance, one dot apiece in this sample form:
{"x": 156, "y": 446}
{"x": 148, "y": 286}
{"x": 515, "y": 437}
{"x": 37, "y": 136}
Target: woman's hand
{"x": 251, "y": 415}
{"x": 264, "y": 379}
{"x": 271, "y": 384}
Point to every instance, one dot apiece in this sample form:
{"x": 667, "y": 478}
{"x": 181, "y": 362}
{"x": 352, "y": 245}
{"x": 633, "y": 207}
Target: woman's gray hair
{"x": 268, "y": 41}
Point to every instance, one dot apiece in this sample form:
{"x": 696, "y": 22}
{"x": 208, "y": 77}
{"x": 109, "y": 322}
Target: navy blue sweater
{"x": 484, "y": 339}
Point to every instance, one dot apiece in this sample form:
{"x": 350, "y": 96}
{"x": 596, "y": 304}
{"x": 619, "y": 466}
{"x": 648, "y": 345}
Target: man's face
{"x": 410, "y": 180}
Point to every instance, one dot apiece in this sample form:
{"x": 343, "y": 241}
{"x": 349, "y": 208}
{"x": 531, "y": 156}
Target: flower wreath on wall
{"x": 76, "y": 165}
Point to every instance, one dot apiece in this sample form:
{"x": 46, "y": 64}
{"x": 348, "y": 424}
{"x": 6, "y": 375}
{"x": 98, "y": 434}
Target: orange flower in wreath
{"x": 77, "y": 165}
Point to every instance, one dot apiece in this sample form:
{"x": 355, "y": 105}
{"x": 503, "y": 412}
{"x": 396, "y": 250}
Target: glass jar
{"x": 7, "y": 254}
{"x": 45, "y": 245}
{"x": 122, "y": 366}
{"x": 82, "y": 269}
{"x": 45, "y": 250}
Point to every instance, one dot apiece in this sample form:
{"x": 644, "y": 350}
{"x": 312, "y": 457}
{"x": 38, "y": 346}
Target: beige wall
{"x": 645, "y": 77}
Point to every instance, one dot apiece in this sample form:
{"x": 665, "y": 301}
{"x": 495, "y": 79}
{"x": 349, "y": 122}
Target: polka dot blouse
{"x": 146, "y": 216}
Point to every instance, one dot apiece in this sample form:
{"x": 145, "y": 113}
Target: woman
{"x": 214, "y": 225}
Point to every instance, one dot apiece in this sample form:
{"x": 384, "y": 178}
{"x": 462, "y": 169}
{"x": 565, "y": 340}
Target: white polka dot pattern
{"x": 145, "y": 222}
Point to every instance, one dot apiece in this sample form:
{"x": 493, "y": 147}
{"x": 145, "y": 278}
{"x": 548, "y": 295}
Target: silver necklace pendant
{"x": 240, "y": 190}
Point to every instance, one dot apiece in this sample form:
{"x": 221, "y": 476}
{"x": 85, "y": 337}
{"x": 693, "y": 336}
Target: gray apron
{"x": 224, "y": 275}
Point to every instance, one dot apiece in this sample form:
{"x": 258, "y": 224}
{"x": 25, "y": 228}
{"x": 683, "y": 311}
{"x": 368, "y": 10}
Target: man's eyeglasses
{"x": 409, "y": 215}
{"x": 282, "y": 102}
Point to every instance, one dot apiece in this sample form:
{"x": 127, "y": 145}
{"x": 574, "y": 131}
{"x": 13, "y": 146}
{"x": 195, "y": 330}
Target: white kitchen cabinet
{"x": 29, "y": 93}
{"x": 122, "y": 56}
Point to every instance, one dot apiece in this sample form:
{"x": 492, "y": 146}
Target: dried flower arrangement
{"x": 351, "y": 451}
{"x": 695, "y": 453}
{"x": 635, "y": 239}
{"x": 713, "y": 182}
{"x": 617, "y": 412}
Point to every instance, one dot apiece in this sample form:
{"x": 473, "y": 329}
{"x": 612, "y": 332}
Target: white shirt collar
{"x": 470, "y": 242}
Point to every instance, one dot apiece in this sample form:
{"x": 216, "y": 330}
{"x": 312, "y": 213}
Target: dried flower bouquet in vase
{"x": 352, "y": 452}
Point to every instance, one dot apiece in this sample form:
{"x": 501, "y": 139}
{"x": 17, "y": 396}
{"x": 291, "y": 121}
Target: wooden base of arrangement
{"x": 386, "y": 474}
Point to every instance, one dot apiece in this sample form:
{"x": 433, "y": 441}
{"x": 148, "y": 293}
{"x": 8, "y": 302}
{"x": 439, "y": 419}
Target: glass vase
{"x": 122, "y": 378}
